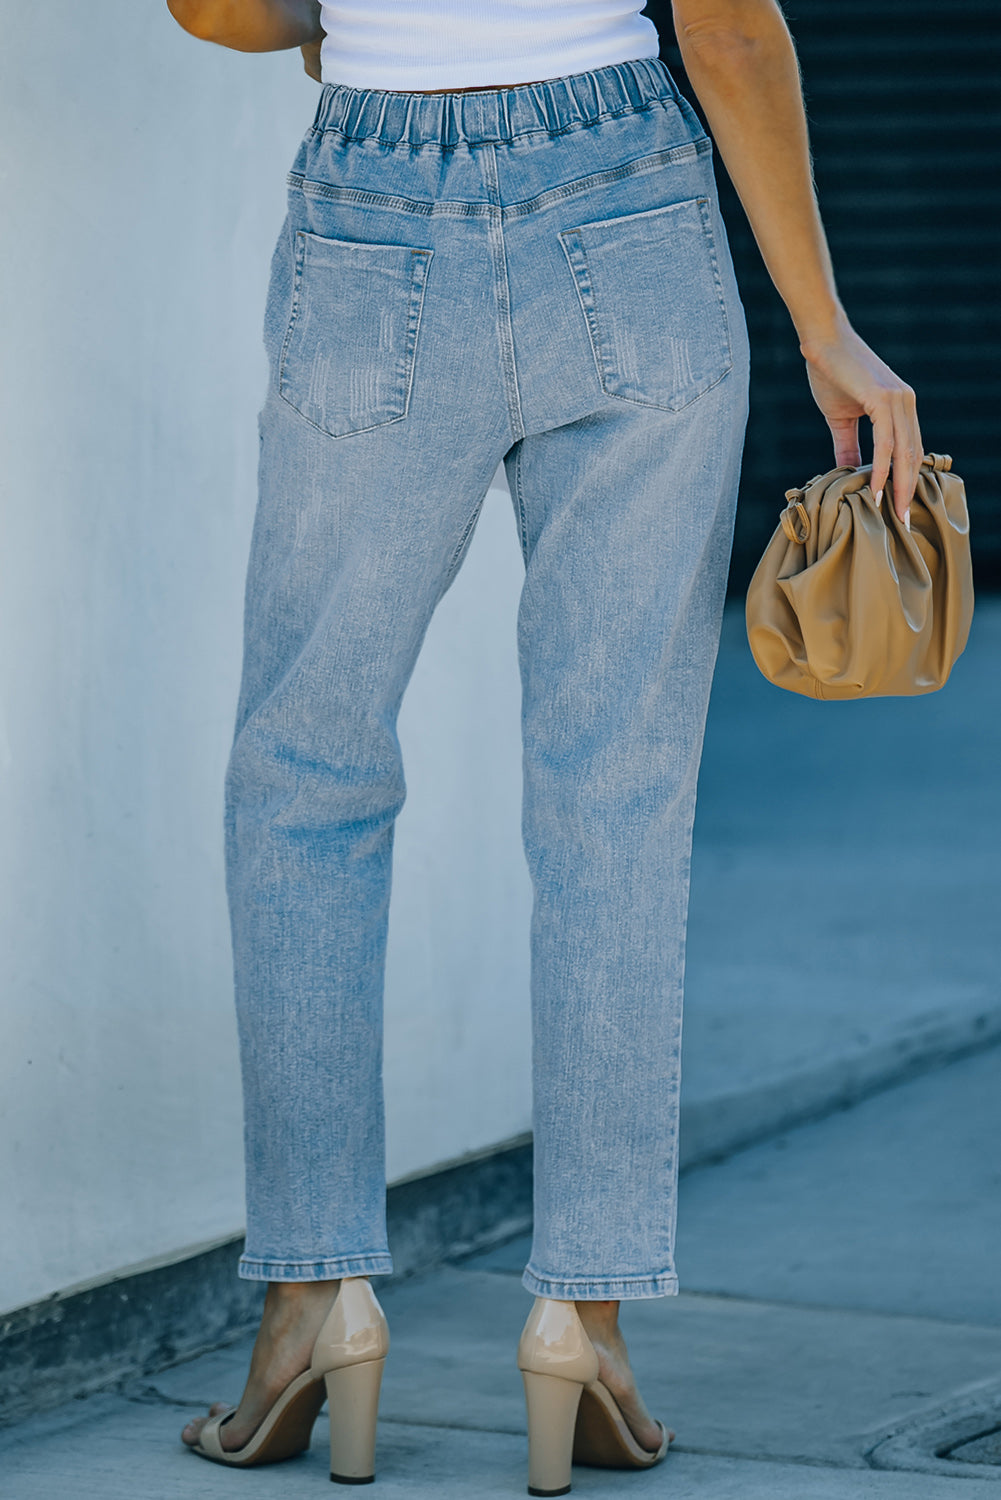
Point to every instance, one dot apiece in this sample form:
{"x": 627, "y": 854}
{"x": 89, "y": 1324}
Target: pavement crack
{"x": 151, "y": 1395}
{"x": 785, "y": 1459}
{"x": 451, "y": 1426}
{"x": 836, "y": 1309}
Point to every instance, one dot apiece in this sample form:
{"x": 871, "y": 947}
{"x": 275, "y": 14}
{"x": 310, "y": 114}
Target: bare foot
{"x": 601, "y": 1324}
{"x": 294, "y": 1312}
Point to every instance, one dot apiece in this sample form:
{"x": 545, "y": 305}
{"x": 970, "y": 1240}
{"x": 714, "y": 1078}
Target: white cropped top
{"x": 454, "y": 44}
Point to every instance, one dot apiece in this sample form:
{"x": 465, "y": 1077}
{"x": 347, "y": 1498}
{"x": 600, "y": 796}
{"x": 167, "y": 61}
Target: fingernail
{"x": 879, "y": 497}
{"x": 907, "y": 519}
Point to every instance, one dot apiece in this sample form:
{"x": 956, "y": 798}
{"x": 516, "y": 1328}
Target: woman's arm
{"x": 250, "y": 25}
{"x": 742, "y": 65}
{"x": 311, "y": 59}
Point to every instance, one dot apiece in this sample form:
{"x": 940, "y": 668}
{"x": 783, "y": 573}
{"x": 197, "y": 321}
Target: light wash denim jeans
{"x": 537, "y": 275}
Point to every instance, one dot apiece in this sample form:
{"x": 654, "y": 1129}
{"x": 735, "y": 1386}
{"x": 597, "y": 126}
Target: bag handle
{"x": 793, "y": 513}
{"x": 796, "y": 520}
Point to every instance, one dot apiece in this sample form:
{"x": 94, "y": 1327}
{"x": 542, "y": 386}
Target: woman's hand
{"x": 311, "y": 59}
{"x": 849, "y": 381}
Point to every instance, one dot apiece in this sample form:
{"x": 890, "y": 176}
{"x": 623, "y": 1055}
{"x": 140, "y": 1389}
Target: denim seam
{"x": 612, "y": 1287}
{"x": 502, "y": 292}
{"x": 392, "y": 202}
{"x": 707, "y": 224}
{"x": 670, "y": 156}
{"x": 363, "y": 1263}
{"x": 420, "y": 270}
{"x": 601, "y": 1281}
{"x": 519, "y": 506}
{"x": 313, "y": 1260}
{"x": 365, "y": 198}
{"x": 582, "y": 286}
{"x": 462, "y": 543}
{"x": 421, "y": 263}
{"x": 583, "y": 281}
{"x": 300, "y": 256}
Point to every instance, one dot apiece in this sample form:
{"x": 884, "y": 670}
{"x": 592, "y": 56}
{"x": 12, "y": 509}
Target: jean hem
{"x": 252, "y": 1269}
{"x": 601, "y": 1288}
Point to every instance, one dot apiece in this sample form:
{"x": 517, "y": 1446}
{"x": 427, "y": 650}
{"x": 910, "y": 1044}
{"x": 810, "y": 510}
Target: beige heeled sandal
{"x": 346, "y": 1367}
{"x": 572, "y": 1416}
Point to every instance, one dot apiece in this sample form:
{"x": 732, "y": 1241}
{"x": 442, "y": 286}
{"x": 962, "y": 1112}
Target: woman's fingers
{"x": 907, "y": 452}
{"x": 882, "y": 447}
{"x": 844, "y": 431}
{"x": 896, "y": 447}
{"x": 848, "y": 379}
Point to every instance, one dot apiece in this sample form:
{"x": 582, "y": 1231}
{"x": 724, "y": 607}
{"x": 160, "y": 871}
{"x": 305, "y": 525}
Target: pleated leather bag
{"x": 847, "y": 603}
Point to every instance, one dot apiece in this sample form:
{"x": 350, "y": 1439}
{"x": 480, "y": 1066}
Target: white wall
{"x": 143, "y": 189}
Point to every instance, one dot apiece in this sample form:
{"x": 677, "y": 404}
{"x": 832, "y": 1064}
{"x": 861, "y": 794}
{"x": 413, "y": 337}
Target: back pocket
{"x": 347, "y": 361}
{"x": 650, "y": 289}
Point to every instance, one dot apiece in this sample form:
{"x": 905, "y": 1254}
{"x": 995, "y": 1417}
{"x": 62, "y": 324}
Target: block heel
{"x": 551, "y": 1405}
{"x": 572, "y": 1417}
{"x": 353, "y": 1399}
{"x": 348, "y": 1358}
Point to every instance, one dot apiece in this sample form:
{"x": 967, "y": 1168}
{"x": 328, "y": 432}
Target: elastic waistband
{"x": 484, "y": 116}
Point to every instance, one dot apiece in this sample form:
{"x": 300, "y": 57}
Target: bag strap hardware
{"x": 792, "y": 514}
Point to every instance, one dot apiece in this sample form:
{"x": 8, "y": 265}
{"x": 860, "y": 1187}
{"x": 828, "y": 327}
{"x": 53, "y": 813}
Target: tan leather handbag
{"x": 847, "y": 603}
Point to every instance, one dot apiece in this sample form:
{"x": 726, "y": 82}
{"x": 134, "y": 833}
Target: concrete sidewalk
{"x": 844, "y": 911}
{"x": 841, "y": 1321}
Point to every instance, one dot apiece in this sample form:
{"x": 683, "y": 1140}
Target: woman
{"x": 503, "y": 242}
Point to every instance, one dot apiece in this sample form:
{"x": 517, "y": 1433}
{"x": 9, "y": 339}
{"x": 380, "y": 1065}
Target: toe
{"x": 191, "y": 1433}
